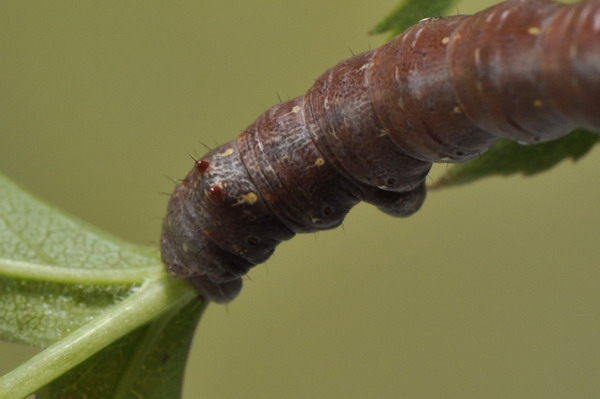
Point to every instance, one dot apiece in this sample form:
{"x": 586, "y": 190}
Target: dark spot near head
{"x": 252, "y": 241}
{"x": 327, "y": 211}
{"x": 202, "y": 166}
{"x": 215, "y": 192}
{"x": 391, "y": 181}
{"x": 460, "y": 153}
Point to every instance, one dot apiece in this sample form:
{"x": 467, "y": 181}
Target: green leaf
{"x": 508, "y": 157}
{"x": 57, "y": 273}
{"x": 409, "y": 12}
{"x": 148, "y": 363}
{"x": 105, "y": 309}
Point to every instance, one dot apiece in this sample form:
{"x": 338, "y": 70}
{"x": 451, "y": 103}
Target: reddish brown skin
{"x": 369, "y": 129}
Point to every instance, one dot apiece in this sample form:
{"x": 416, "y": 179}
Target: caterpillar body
{"x": 370, "y": 128}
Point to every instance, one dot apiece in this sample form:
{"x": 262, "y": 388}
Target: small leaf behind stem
{"x": 409, "y": 12}
{"x": 508, "y": 157}
{"x": 147, "y": 363}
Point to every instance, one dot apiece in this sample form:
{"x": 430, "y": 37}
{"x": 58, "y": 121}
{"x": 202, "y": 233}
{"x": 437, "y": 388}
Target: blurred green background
{"x": 491, "y": 291}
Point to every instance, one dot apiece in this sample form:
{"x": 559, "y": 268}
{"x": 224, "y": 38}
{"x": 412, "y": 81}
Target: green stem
{"x": 155, "y": 297}
{"x": 76, "y": 275}
{"x": 131, "y": 372}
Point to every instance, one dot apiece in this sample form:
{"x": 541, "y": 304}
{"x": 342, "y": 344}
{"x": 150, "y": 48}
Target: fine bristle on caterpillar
{"x": 370, "y": 128}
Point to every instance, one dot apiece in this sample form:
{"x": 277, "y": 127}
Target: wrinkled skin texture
{"x": 369, "y": 129}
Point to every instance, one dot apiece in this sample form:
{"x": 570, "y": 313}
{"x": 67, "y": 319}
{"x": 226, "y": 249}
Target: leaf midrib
{"x": 76, "y": 275}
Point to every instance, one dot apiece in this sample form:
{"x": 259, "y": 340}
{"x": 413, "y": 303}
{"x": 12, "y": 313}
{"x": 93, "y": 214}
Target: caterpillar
{"x": 370, "y": 128}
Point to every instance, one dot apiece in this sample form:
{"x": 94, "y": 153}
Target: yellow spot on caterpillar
{"x": 226, "y": 153}
{"x": 296, "y": 109}
{"x": 249, "y": 199}
{"x": 446, "y": 40}
{"x": 456, "y": 110}
{"x": 538, "y": 103}
{"x": 319, "y": 162}
{"x": 185, "y": 247}
{"x": 533, "y": 30}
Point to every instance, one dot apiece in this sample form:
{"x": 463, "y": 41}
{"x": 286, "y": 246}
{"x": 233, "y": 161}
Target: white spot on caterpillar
{"x": 572, "y": 52}
{"x": 417, "y": 35}
{"x": 533, "y": 30}
{"x": 446, "y": 40}
{"x": 326, "y": 103}
{"x": 250, "y": 199}
{"x": 596, "y": 25}
{"x": 319, "y": 162}
{"x": 226, "y": 153}
{"x": 296, "y": 109}
{"x": 424, "y": 19}
{"x": 365, "y": 66}
{"x": 583, "y": 16}
{"x": 477, "y": 61}
{"x": 568, "y": 17}
{"x": 400, "y": 102}
{"x": 383, "y": 132}
{"x": 396, "y": 74}
{"x": 477, "y": 56}
{"x": 333, "y": 133}
{"x": 538, "y": 103}
{"x": 456, "y": 110}
{"x": 504, "y": 15}
{"x": 261, "y": 147}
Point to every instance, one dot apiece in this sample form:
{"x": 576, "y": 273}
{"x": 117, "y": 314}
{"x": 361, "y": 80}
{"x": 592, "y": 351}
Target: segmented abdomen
{"x": 370, "y": 128}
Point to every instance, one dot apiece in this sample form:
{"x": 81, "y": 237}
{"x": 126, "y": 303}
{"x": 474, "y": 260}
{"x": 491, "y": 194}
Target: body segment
{"x": 369, "y": 129}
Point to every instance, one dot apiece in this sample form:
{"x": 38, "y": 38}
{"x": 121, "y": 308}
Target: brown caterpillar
{"x": 370, "y": 128}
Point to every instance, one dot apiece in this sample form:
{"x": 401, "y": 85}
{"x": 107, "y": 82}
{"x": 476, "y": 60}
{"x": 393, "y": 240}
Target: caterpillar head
{"x": 218, "y": 227}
